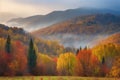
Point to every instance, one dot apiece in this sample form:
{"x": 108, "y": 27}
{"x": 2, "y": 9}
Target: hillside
{"x": 115, "y": 38}
{"x": 82, "y": 30}
{"x": 41, "y": 21}
{"x": 44, "y": 46}
{"x": 92, "y": 24}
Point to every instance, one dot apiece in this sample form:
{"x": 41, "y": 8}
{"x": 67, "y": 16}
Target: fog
{"x": 75, "y": 41}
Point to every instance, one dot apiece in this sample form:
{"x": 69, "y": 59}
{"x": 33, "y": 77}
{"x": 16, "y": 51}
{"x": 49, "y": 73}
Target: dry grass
{"x": 55, "y": 78}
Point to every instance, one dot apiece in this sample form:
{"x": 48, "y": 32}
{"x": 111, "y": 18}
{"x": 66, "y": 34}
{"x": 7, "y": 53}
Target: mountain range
{"x": 35, "y": 22}
{"x": 82, "y": 30}
{"x": 72, "y": 27}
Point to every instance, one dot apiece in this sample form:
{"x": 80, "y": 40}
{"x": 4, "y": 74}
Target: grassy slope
{"x": 55, "y": 78}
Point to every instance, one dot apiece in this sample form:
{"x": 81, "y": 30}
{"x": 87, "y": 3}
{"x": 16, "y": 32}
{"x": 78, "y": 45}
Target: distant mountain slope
{"x": 115, "y": 38}
{"x": 40, "y": 21}
{"x": 91, "y": 24}
{"x": 82, "y": 30}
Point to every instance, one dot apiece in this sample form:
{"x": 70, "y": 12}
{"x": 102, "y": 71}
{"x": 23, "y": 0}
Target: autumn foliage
{"x": 66, "y": 64}
{"x": 87, "y": 63}
{"x": 14, "y": 63}
{"x": 17, "y": 59}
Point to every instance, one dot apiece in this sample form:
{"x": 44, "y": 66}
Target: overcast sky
{"x": 34, "y": 7}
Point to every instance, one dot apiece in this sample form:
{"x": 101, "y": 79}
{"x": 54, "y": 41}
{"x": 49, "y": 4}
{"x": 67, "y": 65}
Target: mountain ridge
{"x": 89, "y": 21}
{"x": 82, "y": 30}
{"x": 41, "y": 21}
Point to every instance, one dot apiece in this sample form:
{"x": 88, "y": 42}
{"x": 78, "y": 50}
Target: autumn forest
{"x": 22, "y": 54}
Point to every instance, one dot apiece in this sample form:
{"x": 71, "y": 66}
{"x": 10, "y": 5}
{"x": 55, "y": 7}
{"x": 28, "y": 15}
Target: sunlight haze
{"x": 24, "y": 8}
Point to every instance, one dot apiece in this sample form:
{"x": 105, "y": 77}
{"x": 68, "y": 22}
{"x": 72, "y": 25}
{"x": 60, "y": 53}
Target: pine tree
{"x": 31, "y": 56}
{"x": 103, "y": 60}
{"x": 8, "y": 45}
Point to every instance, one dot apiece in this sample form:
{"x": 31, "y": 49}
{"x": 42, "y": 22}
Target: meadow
{"x": 55, "y": 78}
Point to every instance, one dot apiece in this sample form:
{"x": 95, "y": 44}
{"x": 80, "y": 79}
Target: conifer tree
{"x": 103, "y": 60}
{"x": 8, "y": 45}
{"x": 31, "y": 56}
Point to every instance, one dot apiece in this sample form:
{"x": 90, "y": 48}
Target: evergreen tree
{"x": 8, "y": 45}
{"x": 31, "y": 56}
{"x": 103, "y": 67}
{"x": 103, "y": 60}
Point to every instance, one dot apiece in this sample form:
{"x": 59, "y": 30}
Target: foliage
{"x": 89, "y": 24}
{"x": 8, "y": 44}
{"x": 108, "y": 51}
{"x": 45, "y": 65}
{"x": 19, "y": 59}
{"x": 15, "y": 63}
{"x": 44, "y": 46}
{"x": 49, "y": 47}
{"x": 115, "y": 70}
{"x": 41, "y": 57}
{"x": 31, "y": 56}
{"x": 87, "y": 63}
{"x": 66, "y": 64}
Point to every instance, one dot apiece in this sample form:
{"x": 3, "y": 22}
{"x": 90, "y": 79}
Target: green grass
{"x": 55, "y": 78}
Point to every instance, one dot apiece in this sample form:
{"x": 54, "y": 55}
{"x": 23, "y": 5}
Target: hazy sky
{"x": 33, "y": 7}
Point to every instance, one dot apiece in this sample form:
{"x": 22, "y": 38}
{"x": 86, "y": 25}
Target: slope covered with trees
{"x": 115, "y": 38}
{"x": 90, "y": 25}
{"x": 44, "y": 46}
{"x": 31, "y": 56}
{"x": 101, "y": 60}
{"x": 82, "y": 30}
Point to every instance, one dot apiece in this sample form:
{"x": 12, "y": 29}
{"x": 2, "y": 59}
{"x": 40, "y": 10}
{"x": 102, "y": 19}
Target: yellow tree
{"x": 45, "y": 65}
{"x": 109, "y": 51}
{"x": 66, "y": 64}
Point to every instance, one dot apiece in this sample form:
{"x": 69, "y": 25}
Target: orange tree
{"x": 87, "y": 63}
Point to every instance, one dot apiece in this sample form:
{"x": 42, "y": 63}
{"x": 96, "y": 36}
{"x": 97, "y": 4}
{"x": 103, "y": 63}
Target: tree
{"x": 103, "y": 60}
{"x": 31, "y": 56}
{"x": 18, "y": 64}
{"x": 66, "y": 64}
{"x": 8, "y": 45}
{"x": 109, "y": 51}
{"x": 87, "y": 63}
{"x": 106, "y": 53}
{"x": 4, "y": 64}
{"x": 45, "y": 65}
{"x": 104, "y": 69}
